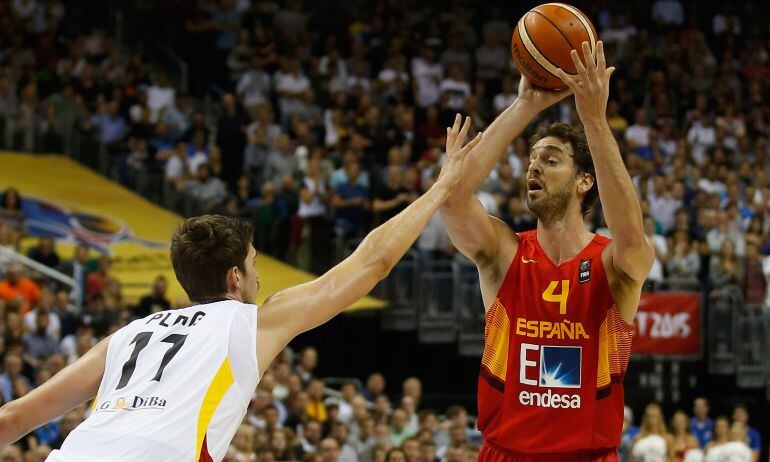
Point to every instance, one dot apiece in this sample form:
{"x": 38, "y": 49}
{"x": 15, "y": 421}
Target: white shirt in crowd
{"x": 701, "y": 138}
{"x": 639, "y": 135}
{"x": 458, "y": 92}
{"x": 427, "y": 76}
{"x": 293, "y": 84}
{"x": 159, "y": 98}
{"x": 501, "y": 101}
{"x": 254, "y": 87}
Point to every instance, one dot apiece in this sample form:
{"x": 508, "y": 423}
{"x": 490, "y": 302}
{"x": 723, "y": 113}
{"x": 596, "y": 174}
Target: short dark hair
{"x": 584, "y": 163}
{"x": 203, "y": 249}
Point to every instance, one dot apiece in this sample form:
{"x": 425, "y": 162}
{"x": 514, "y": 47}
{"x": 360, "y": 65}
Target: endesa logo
{"x": 550, "y": 367}
{"x": 133, "y": 404}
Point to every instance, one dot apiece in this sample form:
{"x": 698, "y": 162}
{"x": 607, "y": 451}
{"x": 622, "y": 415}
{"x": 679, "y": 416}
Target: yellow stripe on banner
{"x": 217, "y": 389}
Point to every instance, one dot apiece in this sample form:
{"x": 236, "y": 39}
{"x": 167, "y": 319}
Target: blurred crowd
{"x": 329, "y": 120}
{"x": 685, "y": 438}
{"x": 330, "y": 124}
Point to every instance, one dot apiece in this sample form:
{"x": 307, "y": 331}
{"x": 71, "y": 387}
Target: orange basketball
{"x": 543, "y": 39}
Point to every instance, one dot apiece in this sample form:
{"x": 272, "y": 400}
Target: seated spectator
{"x": 310, "y": 440}
{"x": 391, "y": 197}
{"x": 316, "y": 409}
{"x": 282, "y": 444}
{"x": 628, "y": 435}
{"x": 754, "y": 282}
{"x": 11, "y": 212}
{"x": 18, "y": 288}
{"x": 351, "y": 201}
{"x": 375, "y": 386}
{"x": 651, "y": 444}
{"x": 660, "y": 244}
{"x": 725, "y": 269}
{"x": 399, "y": 430}
{"x": 743, "y": 431}
{"x": 77, "y": 266}
{"x": 681, "y": 440}
{"x": 736, "y": 449}
{"x": 45, "y": 305}
{"x": 155, "y": 301}
{"x": 208, "y": 190}
{"x": 38, "y": 343}
{"x": 721, "y": 434}
{"x": 701, "y": 425}
{"x": 12, "y": 367}
{"x": 96, "y": 281}
{"x": 683, "y": 263}
{"x": 45, "y": 252}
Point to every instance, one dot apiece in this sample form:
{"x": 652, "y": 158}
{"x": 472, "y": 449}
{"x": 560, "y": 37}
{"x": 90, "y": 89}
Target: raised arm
{"x": 298, "y": 309}
{"x": 471, "y": 230}
{"x": 631, "y": 251}
{"x": 74, "y": 385}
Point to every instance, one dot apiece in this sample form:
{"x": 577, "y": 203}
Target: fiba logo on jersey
{"x": 553, "y": 367}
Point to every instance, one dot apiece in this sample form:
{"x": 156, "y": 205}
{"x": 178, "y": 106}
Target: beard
{"x": 552, "y": 206}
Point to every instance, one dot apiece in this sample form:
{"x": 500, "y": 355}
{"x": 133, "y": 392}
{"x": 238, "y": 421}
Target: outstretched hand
{"x": 456, "y": 152}
{"x": 592, "y": 84}
{"x": 540, "y": 98}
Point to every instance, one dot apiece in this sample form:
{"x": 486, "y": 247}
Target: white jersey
{"x": 176, "y": 386}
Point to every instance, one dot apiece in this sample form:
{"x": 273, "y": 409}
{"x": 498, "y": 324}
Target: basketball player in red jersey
{"x": 560, "y": 300}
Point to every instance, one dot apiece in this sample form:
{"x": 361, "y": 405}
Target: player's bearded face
{"x": 250, "y": 281}
{"x": 552, "y": 201}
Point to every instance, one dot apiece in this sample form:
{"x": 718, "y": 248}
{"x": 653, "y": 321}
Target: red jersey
{"x": 555, "y": 354}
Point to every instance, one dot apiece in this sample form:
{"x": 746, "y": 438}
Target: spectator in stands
{"x": 351, "y": 202}
{"x": 11, "y": 212}
{"x": 308, "y": 361}
{"x": 725, "y": 269}
{"x": 44, "y": 306}
{"x": 76, "y": 268}
{"x": 375, "y": 386}
{"x": 721, "y": 433}
{"x": 684, "y": 263}
{"x": 281, "y": 443}
{"x": 313, "y": 200}
{"x": 316, "y": 409}
{"x": 311, "y": 438}
{"x": 45, "y": 252}
{"x": 660, "y": 244}
{"x": 208, "y": 190}
{"x": 39, "y": 344}
{"x": 399, "y": 431}
{"x": 18, "y": 288}
{"x": 701, "y": 425}
{"x": 750, "y": 434}
{"x": 681, "y": 440}
{"x": 412, "y": 387}
{"x": 651, "y": 443}
{"x": 754, "y": 282}
{"x": 735, "y": 449}
{"x": 155, "y": 301}
{"x": 628, "y": 435}
{"x": 12, "y": 372}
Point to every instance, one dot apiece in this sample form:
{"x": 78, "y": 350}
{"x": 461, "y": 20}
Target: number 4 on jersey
{"x": 561, "y": 298}
{"x": 140, "y": 342}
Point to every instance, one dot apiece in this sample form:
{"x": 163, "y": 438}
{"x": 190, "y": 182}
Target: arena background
{"x": 91, "y": 173}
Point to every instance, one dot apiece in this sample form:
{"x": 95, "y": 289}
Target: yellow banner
{"x": 72, "y": 203}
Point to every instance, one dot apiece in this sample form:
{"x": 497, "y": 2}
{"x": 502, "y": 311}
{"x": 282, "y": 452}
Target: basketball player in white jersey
{"x": 175, "y": 385}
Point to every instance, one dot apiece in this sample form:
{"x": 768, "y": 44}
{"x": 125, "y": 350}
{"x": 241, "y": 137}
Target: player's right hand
{"x": 456, "y": 152}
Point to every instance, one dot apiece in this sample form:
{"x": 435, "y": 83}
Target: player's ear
{"x": 233, "y": 279}
{"x": 585, "y": 182}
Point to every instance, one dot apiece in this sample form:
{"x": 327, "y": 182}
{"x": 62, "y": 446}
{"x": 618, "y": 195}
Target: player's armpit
{"x": 71, "y": 387}
{"x": 472, "y": 231}
{"x": 626, "y": 290}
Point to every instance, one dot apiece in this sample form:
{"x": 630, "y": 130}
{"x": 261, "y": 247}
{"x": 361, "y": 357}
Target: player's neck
{"x": 563, "y": 238}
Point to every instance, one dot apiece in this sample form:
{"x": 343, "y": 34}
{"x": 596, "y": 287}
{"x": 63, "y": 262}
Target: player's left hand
{"x": 540, "y": 98}
{"x": 592, "y": 84}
